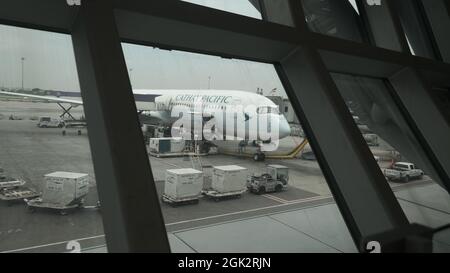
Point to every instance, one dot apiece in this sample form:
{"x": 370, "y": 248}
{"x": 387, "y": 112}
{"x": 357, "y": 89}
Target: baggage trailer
{"x": 63, "y": 191}
{"x": 74, "y": 125}
{"x": 11, "y": 195}
{"x": 9, "y": 182}
{"x": 12, "y": 190}
{"x": 38, "y": 203}
{"x": 219, "y": 196}
{"x": 182, "y": 186}
{"x": 174, "y": 202}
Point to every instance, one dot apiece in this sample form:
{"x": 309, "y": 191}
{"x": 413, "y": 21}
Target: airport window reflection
{"x": 48, "y": 195}
{"x": 248, "y": 192}
{"x": 415, "y": 26}
{"x": 334, "y": 18}
{"x": 241, "y": 7}
{"x": 396, "y": 149}
{"x": 437, "y": 14}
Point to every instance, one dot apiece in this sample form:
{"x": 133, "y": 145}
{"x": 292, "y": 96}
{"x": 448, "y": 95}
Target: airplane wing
{"x": 54, "y": 99}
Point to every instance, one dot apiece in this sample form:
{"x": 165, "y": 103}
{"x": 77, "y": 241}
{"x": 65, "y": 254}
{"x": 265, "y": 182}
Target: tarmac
{"x": 29, "y": 152}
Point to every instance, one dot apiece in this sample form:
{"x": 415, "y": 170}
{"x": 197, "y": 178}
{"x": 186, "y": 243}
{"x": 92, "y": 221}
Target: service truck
{"x": 275, "y": 179}
{"x": 403, "y": 171}
{"x": 48, "y": 122}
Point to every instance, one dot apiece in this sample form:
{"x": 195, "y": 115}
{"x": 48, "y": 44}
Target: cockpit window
{"x": 268, "y": 110}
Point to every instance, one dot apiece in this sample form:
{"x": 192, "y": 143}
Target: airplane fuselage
{"x": 239, "y": 113}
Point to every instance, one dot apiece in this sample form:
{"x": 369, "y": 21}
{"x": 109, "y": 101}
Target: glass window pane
{"x": 241, "y": 7}
{"x": 396, "y": 149}
{"x": 39, "y": 68}
{"x": 334, "y": 18}
{"x": 437, "y": 13}
{"x": 276, "y": 11}
{"x": 415, "y": 28}
{"x": 226, "y": 219}
{"x": 441, "y": 96}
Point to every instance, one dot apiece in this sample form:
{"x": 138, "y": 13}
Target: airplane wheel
{"x": 259, "y": 157}
{"x": 278, "y": 188}
{"x": 262, "y": 157}
{"x": 256, "y": 157}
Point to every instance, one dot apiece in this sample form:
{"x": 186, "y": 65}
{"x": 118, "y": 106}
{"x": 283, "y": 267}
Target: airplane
{"x": 210, "y": 102}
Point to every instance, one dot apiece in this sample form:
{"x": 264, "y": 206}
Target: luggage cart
{"x": 74, "y": 125}
{"x": 9, "y": 182}
{"x": 11, "y": 195}
{"x": 219, "y": 196}
{"x": 180, "y": 201}
{"x": 38, "y": 203}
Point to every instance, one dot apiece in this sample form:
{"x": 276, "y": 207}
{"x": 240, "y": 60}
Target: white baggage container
{"x": 65, "y": 188}
{"x": 183, "y": 183}
{"x": 177, "y": 145}
{"x": 159, "y": 145}
{"x": 230, "y": 178}
{"x": 166, "y": 145}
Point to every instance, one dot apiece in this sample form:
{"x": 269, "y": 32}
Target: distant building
{"x": 285, "y": 107}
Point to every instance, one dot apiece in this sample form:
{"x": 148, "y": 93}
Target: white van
{"x": 48, "y": 122}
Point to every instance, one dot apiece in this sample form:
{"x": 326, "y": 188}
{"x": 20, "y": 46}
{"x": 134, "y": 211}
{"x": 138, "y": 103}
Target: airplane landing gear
{"x": 259, "y": 157}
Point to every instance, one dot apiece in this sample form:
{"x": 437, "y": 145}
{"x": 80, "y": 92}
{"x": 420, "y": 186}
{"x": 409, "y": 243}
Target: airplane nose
{"x": 285, "y": 129}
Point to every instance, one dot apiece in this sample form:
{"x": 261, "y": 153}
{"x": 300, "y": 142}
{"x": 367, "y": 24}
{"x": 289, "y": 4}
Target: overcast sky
{"x": 50, "y": 63}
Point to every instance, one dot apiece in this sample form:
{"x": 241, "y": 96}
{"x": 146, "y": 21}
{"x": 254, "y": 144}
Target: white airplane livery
{"x": 233, "y": 114}
{"x": 229, "y": 114}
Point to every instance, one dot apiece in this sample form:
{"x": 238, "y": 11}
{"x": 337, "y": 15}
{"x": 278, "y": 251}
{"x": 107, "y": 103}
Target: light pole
{"x": 209, "y": 82}
{"x": 23, "y": 63}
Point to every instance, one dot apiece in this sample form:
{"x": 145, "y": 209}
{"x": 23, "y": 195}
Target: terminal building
{"x": 286, "y": 108}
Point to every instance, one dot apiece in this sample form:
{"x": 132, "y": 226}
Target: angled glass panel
{"x": 44, "y": 144}
{"x": 334, "y": 18}
{"x": 417, "y": 31}
{"x": 245, "y": 205}
{"x": 241, "y": 7}
{"x": 441, "y": 96}
{"x": 396, "y": 149}
{"x": 438, "y": 17}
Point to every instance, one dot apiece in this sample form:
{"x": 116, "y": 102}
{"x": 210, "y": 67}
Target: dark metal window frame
{"x": 177, "y": 25}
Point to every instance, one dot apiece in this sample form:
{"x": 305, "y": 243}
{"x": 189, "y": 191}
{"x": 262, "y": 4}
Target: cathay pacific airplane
{"x": 255, "y": 109}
